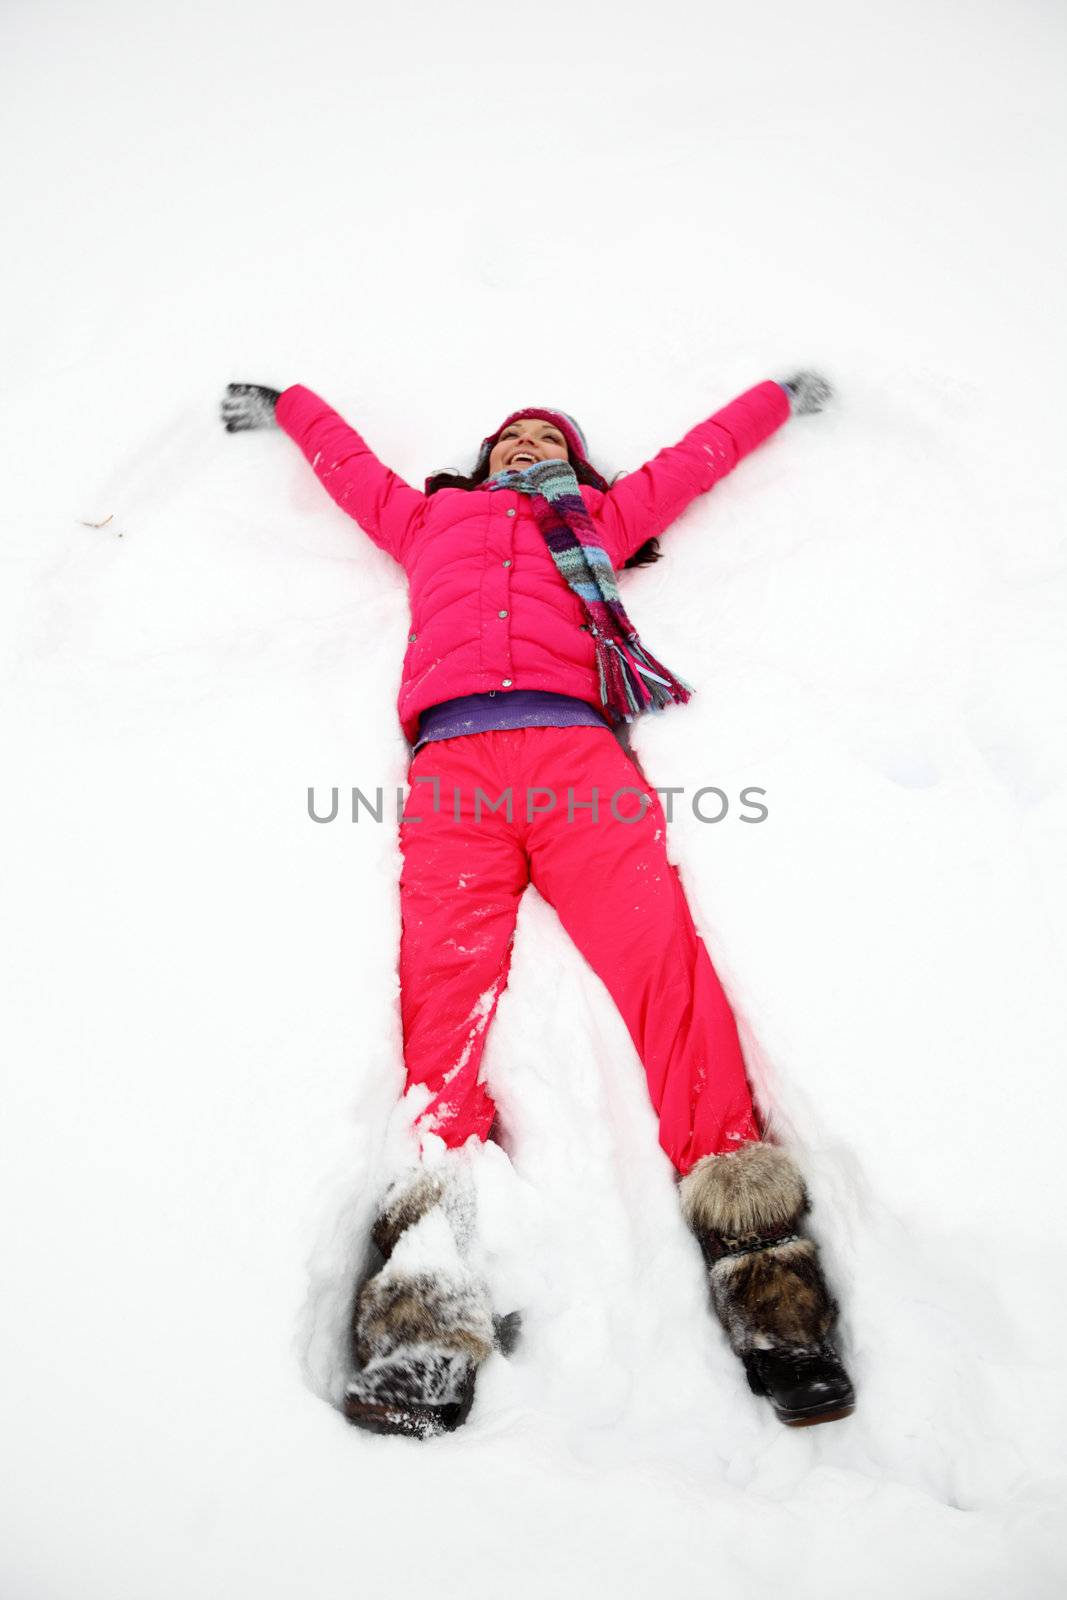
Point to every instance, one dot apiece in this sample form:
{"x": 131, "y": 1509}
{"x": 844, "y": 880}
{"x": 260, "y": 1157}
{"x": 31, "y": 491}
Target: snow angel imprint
{"x": 522, "y": 666}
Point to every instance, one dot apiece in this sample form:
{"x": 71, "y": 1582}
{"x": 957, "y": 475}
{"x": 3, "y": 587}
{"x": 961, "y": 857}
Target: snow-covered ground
{"x": 432, "y": 216}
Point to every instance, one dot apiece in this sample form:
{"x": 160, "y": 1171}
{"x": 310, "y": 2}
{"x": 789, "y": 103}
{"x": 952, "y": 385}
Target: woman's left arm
{"x": 642, "y": 504}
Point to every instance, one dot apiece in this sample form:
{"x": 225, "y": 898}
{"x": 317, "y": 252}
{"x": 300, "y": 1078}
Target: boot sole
{"x": 410, "y": 1419}
{"x": 412, "y": 1422}
{"x": 808, "y": 1419}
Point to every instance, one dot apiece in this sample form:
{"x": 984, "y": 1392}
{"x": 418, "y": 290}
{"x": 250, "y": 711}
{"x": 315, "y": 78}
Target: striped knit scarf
{"x": 631, "y": 680}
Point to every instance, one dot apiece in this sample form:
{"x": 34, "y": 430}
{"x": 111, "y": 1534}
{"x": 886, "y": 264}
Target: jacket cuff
{"x": 288, "y": 406}
{"x": 755, "y": 415}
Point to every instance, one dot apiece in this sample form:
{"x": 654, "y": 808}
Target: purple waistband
{"x": 516, "y": 708}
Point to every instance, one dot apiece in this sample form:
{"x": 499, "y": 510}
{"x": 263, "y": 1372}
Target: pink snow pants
{"x": 465, "y": 866}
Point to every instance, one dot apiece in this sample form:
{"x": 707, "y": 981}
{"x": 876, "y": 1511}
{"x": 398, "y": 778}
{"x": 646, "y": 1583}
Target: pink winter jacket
{"x": 488, "y": 608}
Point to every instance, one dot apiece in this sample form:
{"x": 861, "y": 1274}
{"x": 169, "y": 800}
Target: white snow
{"x": 432, "y": 218}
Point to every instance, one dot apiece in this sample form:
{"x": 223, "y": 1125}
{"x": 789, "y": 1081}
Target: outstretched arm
{"x": 644, "y": 503}
{"x": 380, "y": 501}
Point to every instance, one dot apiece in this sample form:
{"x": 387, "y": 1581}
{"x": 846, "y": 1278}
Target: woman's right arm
{"x": 376, "y": 497}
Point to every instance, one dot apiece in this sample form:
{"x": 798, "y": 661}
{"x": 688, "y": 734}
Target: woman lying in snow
{"x": 521, "y": 662}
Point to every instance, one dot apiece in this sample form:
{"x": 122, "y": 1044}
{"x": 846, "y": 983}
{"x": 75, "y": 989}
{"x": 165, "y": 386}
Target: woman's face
{"x": 525, "y": 441}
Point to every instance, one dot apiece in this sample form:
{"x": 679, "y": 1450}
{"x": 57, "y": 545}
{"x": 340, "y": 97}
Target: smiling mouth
{"x": 524, "y": 455}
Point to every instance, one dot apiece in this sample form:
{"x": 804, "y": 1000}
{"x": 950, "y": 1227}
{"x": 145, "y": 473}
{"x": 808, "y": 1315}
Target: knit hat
{"x": 576, "y": 445}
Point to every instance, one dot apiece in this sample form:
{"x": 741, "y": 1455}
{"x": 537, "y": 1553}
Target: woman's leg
{"x": 423, "y": 1323}
{"x": 460, "y": 885}
{"x": 623, "y": 904}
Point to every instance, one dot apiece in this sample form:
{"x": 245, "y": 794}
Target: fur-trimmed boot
{"x": 766, "y": 1282}
{"x": 423, "y": 1323}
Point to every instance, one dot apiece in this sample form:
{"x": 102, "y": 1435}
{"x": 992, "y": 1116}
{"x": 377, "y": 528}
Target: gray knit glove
{"x": 807, "y": 391}
{"x": 249, "y": 405}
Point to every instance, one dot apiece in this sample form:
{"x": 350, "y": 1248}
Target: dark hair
{"x": 643, "y": 556}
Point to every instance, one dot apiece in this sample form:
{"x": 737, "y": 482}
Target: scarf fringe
{"x": 632, "y": 681}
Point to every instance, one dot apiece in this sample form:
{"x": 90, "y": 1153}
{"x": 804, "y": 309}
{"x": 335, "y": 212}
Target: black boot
{"x": 803, "y": 1386}
{"x": 419, "y": 1331}
{"x": 390, "y": 1397}
{"x": 766, "y": 1283}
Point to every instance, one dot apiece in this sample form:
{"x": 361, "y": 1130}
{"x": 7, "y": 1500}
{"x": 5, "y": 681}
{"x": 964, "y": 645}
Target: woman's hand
{"x": 249, "y": 405}
{"x": 807, "y": 391}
